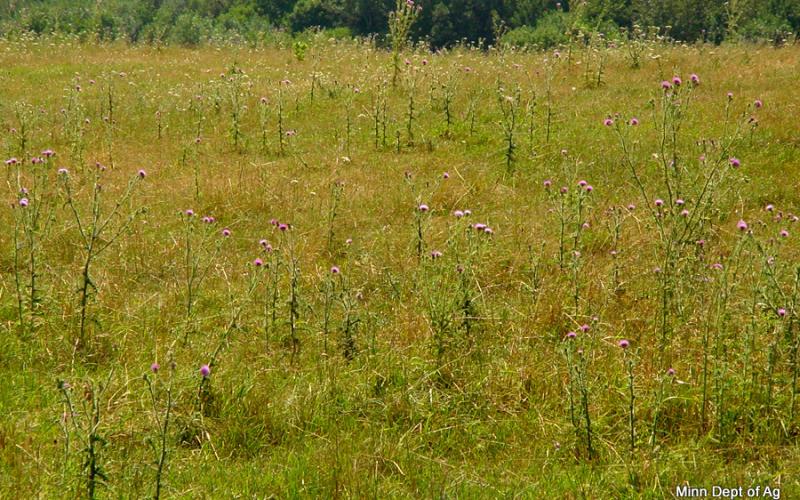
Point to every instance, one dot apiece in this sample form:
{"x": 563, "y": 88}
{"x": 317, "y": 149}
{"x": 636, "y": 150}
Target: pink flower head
{"x": 423, "y": 208}
{"x": 734, "y": 162}
{"x": 758, "y": 104}
{"x": 263, "y": 243}
{"x": 479, "y": 227}
{"x": 446, "y": 175}
{"x": 12, "y": 161}
{"x": 141, "y": 174}
{"x": 459, "y": 214}
{"x": 730, "y": 96}
{"x": 334, "y": 270}
{"x": 348, "y": 241}
{"x": 589, "y": 188}
{"x": 666, "y": 85}
{"x": 189, "y": 212}
{"x": 205, "y": 371}
{"x": 488, "y": 230}
{"x": 631, "y": 207}
{"x": 548, "y": 183}
{"x": 436, "y": 254}
{"x": 676, "y": 80}
{"x": 585, "y": 328}
{"x": 659, "y": 202}
{"x": 781, "y": 312}
{"x": 634, "y": 121}
{"x": 684, "y": 213}
{"x": 624, "y": 344}
{"x": 671, "y": 372}
{"x": 784, "y": 233}
{"x": 582, "y": 183}
{"x": 769, "y": 208}
{"x": 571, "y": 335}
{"x": 283, "y": 227}
{"x": 258, "y": 262}
{"x": 155, "y": 367}
{"x": 47, "y": 153}
{"x": 679, "y": 202}
{"x": 608, "y": 122}
{"x": 742, "y": 225}
{"x": 467, "y": 212}
{"x": 226, "y": 232}
{"x": 63, "y": 171}
{"x": 564, "y": 189}
{"x": 695, "y": 79}
{"x": 23, "y": 202}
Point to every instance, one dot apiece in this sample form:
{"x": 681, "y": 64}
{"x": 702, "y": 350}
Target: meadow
{"x": 321, "y": 271}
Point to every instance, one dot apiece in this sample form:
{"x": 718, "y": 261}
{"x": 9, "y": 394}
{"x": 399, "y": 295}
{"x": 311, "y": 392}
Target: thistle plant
{"x": 509, "y": 106}
{"x": 400, "y": 22}
{"x": 161, "y": 413}
{"x": 98, "y": 230}
{"x": 200, "y": 256}
{"x": 84, "y": 422}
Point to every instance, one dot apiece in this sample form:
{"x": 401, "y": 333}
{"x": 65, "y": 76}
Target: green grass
{"x": 422, "y": 408}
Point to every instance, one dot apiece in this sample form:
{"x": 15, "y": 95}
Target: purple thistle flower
{"x": 624, "y": 344}
{"x": 582, "y": 183}
{"x": 666, "y": 85}
{"x": 679, "y": 202}
{"x": 445, "y": 175}
{"x": 589, "y": 188}
{"x": 634, "y": 122}
{"x": 730, "y": 96}
{"x": 23, "y": 202}
{"x": 585, "y": 328}
{"x": 781, "y": 312}
{"x": 479, "y": 227}
{"x": 283, "y": 227}
{"x": 488, "y": 230}
{"x": 695, "y": 79}
{"x": 784, "y": 233}
{"x": 684, "y": 213}
{"x": 155, "y": 367}
{"x": 631, "y": 207}
{"x": 769, "y": 208}
{"x": 47, "y": 153}
{"x": 205, "y": 371}
{"x": 263, "y": 243}
{"x": 226, "y": 232}
{"x": 12, "y": 161}
{"x": 734, "y": 162}
{"x": 189, "y": 212}
{"x": 564, "y": 189}
{"x": 548, "y": 183}
{"x": 676, "y": 80}
{"x": 659, "y": 202}
{"x": 758, "y": 104}
{"x": 571, "y": 335}
{"x": 423, "y": 208}
{"x": 671, "y": 372}
{"x": 608, "y": 122}
{"x": 458, "y": 214}
{"x": 334, "y": 270}
{"x": 348, "y": 241}
{"x": 742, "y": 225}
{"x": 467, "y": 212}
{"x": 258, "y": 262}
{"x": 436, "y": 254}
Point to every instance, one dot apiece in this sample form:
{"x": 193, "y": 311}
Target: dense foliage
{"x": 442, "y": 22}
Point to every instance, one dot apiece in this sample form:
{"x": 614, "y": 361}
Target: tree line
{"x": 441, "y": 23}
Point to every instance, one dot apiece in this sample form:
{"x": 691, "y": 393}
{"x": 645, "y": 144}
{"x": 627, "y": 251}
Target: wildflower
{"x": 671, "y": 372}
{"x": 666, "y": 85}
{"x": 631, "y": 207}
{"x": 63, "y": 171}
{"x": 479, "y": 226}
{"x": 758, "y": 104}
{"x": 189, "y": 212}
{"x": 684, "y": 213}
{"x": 349, "y": 241}
{"x": 589, "y": 188}
{"x": 258, "y": 262}
{"x": 334, "y": 270}
{"x": 436, "y": 254}
{"x": 634, "y": 121}
{"x": 585, "y": 225}
{"x": 564, "y": 189}
{"x": 742, "y": 225}
{"x": 582, "y": 183}
{"x": 781, "y": 312}
{"x": 784, "y": 233}
{"x": 458, "y": 214}
{"x": 608, "y": 122}
{"x": 624, "y": 344}
{"x": 12, "y": 161}
{"x": 730, "y": 96}
{"x": 23, "y": 202}
{"x": 47, "y": 153}
{"x": 571, "y": 335}
{"x": 734, "y": 162}
{"x": 283, "y": 227}
{"x": 446, "y": 175}
{"x": 488, "y": 230}
{"x": 717, "y": 266}
{"x": 659, "y": 202}
{"x": 676, "y": 80}
{"x": 679, "y": 202}
{"x": 467, "y": 212}
{"x": 263, "y": 243}
{"x": 205, "y": 371}
{"x": 155, "y": 367}
{"x": 423, "y": 208}
{"x": 769, "y": 208}
{"x": 226, "y": 232}
{"x": 695, "y": 79}
{"x": 585, "y": 328}
{"x": 142, "y": 174}
{"x": 548, "y": 183}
